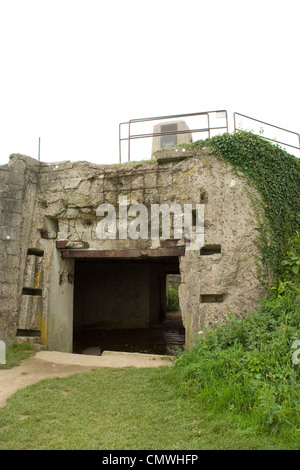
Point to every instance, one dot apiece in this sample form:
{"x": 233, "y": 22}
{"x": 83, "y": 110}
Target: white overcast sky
{"x": 72, "y": 70}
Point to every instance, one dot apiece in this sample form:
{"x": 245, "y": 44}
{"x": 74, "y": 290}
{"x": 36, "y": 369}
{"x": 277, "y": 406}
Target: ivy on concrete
{"x": 275, "y": 174}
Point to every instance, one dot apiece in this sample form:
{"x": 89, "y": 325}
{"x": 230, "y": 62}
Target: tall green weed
{"x": 246, "y": 365}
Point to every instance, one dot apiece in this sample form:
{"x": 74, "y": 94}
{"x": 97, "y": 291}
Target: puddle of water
{"x": 162, "y": 339}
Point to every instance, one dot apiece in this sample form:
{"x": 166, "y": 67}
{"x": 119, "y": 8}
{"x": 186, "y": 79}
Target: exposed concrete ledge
{"x": 112, "y": 359}
{"x": 178, "y": 153}
{"x": 171, "y": 155}
{"x": 149, "y": 253}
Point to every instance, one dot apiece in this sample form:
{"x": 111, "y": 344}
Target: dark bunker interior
{"x": 122, "y": 305}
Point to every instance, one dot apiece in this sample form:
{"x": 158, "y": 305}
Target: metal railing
{"x": 130, "y": 136}
{"x": 208, "y": 128}
{"x": 270, "y": 125}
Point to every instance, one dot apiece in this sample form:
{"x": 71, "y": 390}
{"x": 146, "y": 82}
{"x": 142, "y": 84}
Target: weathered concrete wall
{"x": 56, "y": 208}
{"x": 58, "y": 295}
{"x": 18, "y": 183}
{"x": 174, "y": 280}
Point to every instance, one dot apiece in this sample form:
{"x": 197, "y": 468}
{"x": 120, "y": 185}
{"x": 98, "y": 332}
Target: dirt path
{"x": 48, "y": 364}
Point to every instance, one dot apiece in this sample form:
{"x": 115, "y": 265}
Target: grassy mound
{"x": 250, "y": 365}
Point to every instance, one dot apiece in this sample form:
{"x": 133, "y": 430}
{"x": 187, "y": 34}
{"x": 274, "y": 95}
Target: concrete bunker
{"x": 50, "y": 254}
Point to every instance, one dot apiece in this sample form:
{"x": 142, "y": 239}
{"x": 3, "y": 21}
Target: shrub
{"x": 173, "y": 303}
{"x": 246, "y": 365}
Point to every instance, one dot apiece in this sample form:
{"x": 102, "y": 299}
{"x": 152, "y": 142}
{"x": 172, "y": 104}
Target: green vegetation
{"x": 122, "y": 409}
{"x": 173, "y": 303}
{"x": 16, "y": 353}
{"x": 246, "y": 366}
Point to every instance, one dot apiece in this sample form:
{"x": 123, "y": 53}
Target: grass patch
{"x": 246, "y": 365}
{"x": 123, "y": 409}
{"x": 16, "y": 353}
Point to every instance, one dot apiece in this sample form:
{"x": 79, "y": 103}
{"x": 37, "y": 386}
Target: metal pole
{"x": 120, "y": 160}
{"x": 129, "y": 141}
{"x": 208, "y": 125}
{"x": 39, "y": 156}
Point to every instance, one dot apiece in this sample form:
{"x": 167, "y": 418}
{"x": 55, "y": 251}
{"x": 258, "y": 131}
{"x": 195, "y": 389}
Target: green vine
{"x": 275, "y": 174}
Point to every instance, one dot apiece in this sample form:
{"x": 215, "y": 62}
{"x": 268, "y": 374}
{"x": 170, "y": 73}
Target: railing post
{"x": 120, "y": 159}
{"x": 129, "y": 141}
